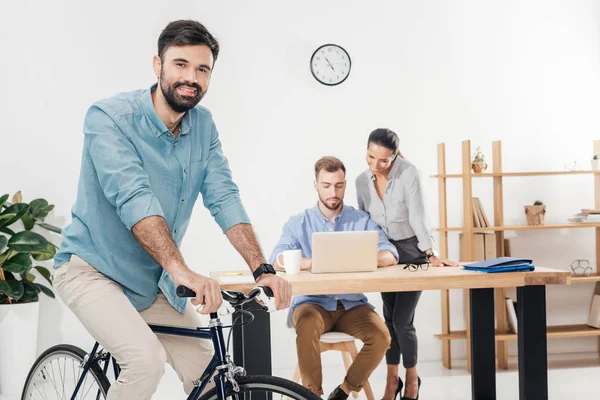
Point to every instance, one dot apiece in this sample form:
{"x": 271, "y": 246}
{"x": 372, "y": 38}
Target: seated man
{"x": 348, "y": 313}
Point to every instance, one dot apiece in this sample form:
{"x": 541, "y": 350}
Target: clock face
{"x": 330, "y": 64}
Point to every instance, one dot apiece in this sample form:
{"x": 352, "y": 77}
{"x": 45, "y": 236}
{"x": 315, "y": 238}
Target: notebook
{"x": 502, "y": 264}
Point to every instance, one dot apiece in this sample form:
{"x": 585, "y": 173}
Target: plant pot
{"x": 18, "y": 345}
{"x": 535, "y": 214}
{"x": 595, "y": 165}
{"x": 478, "y": 166}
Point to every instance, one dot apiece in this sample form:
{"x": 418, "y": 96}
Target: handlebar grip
{"x": 183, "y": 291}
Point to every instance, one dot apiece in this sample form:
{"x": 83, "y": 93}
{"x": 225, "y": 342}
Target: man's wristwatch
{"x": 263, "y": 269}
{"x": 432, "y": 253}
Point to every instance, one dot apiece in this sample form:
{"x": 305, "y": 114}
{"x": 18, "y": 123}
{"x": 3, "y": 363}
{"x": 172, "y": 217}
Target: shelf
{"x": 557, "y": 331}
{"x": 516, "y": 174}
{"x": 595, "y": 277}
{"x": 524, "y": 227}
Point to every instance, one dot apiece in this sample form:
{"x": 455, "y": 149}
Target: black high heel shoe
{"x": 418, "y": 390}
{"x": 399, "y": 388}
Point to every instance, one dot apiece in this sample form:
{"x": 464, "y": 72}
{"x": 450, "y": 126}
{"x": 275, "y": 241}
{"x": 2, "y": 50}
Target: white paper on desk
{"x": 236, "y": 279}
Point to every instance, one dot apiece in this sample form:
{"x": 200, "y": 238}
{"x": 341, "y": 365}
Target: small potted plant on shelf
{"x": 535, "y": 213}
{"x": 595, "y": 162}
{"x": 21, "y": 248}
{"x": 478, "y": 164}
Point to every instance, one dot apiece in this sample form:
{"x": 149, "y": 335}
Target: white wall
{"x": 524, "y": 72}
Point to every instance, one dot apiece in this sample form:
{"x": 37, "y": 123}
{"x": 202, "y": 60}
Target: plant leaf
{"x": 46, "y": 254}
{"x": 17, "y": 198}
{"x": 4, "y": 256}
{"x": 30, "y": 292}
{"x": 19, "y": 209}
{"x": 28, "y": 221}
{"x": 43, "y": 212}
{"x": 27, "y": 242}
{"x": 29, "y": 276}
{"x": 3, "y": 241}
{"x": 49, "y": 227}
{"x": 45, "y": 290}
{"x": 9, "y": 276}
{"x": 45, "y": 273}
{"x": 37, "y": 204}
{"x": 3, "y": 200}
{"x": 5, "y": 218}
{"x": 4, "y": 229}
{"x": 18, "y": 264}
{"x": 13, "y": 289}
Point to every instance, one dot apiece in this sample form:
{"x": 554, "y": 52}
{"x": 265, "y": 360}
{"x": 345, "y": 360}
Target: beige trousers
{"x": 107, "y": 314}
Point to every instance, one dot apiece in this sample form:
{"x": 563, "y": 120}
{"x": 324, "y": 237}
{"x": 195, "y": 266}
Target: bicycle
{"x": 49, "y": 372}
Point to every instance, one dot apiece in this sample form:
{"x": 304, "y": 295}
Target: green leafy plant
{"x": 478, "y": 156}
{"x": 595, "y": 157}
{"x": 19, "y": 250}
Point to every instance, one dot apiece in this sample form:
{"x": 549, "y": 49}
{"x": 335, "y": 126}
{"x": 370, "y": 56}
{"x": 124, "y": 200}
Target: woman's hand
{"x": 442, "y": 262}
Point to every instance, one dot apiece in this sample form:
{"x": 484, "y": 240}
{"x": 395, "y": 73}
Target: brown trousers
{"x": 311, "y": 321}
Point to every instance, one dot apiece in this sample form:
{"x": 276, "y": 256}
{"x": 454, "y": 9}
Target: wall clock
{"x": 330, "y": 64}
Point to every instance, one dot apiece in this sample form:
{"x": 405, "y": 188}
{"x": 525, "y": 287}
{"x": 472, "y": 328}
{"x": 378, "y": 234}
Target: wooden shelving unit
{"x": 468, "y": 230}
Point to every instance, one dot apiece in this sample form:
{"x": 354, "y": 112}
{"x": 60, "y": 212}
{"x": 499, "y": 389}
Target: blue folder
{"x": 502, "y": 264}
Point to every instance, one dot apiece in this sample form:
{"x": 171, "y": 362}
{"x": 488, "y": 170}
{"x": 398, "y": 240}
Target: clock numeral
{"x": 329, "y": 49}
{"x": 317, "y": 72}
{"x": 318, "y": 58}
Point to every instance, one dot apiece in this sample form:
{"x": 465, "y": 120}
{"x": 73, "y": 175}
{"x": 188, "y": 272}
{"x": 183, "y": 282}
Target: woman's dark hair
{"x": 386, "y": 138}
{"x": 186, "y": 33}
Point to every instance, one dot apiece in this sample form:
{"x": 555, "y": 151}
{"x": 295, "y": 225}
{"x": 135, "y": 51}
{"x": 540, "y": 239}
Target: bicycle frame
{"x": 214, "y": 332}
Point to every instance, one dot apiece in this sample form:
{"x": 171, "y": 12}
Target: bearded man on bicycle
{"x": 147, "y": 155}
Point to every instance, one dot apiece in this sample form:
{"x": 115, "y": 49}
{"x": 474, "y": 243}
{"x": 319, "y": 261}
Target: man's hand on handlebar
{"x": 208, "y": 291}
{"x": 282, "y": 289}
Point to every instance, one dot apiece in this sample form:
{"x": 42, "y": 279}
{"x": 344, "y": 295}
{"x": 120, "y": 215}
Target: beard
{"x": 177, "y": 102}
{"x": 332, "y": 208}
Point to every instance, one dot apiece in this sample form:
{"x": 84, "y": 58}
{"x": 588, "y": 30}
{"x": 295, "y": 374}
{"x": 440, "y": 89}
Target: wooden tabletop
{"x": 397, "y": 279}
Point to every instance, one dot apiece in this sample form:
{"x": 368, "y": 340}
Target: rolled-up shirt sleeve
{"x": 219, "y": 193}
{"x": 287, "y": 241}
{"x": 119, "y": 169}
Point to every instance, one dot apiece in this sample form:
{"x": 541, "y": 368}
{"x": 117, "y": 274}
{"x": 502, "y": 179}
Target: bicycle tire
{"x": 65, "y": 350}
{"x": 265, "y": 383}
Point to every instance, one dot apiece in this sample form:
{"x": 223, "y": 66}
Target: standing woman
{"x": 390, "y": 191}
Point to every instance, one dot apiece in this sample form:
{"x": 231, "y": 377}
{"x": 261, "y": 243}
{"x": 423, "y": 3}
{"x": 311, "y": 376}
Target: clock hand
{"x": 329, "y": 64}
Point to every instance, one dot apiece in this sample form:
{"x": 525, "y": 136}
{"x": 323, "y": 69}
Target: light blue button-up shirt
{"x": 297, "y": 234}
{"x": 132, "y": 168}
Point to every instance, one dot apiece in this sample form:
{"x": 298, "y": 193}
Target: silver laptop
{"x": 348, "y": 251}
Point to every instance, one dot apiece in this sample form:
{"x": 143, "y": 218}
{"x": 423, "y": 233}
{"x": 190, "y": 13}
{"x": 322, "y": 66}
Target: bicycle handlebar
{"x": 236, "y": 299}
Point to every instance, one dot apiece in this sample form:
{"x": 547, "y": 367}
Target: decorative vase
{"x": 594, "y": 165}
{"x": 479, "y": 166}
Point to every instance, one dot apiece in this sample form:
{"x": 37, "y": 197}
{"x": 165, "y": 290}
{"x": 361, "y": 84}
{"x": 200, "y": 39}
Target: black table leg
{"x": 252, "y": 345}
{"x": 533, "y": 353}
{"x": 483, "y": 345}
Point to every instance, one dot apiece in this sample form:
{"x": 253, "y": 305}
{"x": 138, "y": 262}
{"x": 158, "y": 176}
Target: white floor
{"x": 574, "y": 376}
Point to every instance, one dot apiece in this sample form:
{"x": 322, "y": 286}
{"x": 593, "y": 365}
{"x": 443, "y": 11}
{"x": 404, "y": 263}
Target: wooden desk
{"x": 252, "y": 344}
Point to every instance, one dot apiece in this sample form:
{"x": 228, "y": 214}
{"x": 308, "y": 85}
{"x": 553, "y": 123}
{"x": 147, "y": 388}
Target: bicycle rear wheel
{"x": 55, "y": 374}
{"x": 263, "y": 384}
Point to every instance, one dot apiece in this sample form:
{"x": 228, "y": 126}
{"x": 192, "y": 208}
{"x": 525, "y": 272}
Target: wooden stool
{"x": 345, "y": 344}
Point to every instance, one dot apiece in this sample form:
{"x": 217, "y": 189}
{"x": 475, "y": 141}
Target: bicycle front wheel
{"x": 263, "y": 384}
{"x": 56, "y": 372}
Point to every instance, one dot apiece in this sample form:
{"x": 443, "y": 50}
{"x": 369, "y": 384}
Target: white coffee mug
{"x": 291, "y": 260}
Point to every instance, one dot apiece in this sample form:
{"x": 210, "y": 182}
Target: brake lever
{"x": 268, "y": 302}
{"x": 223, "y": 311}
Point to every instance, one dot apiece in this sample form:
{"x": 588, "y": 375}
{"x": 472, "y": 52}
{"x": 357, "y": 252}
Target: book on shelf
{"x": 480, "y": 220}
{"x": 511, "y": 315}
